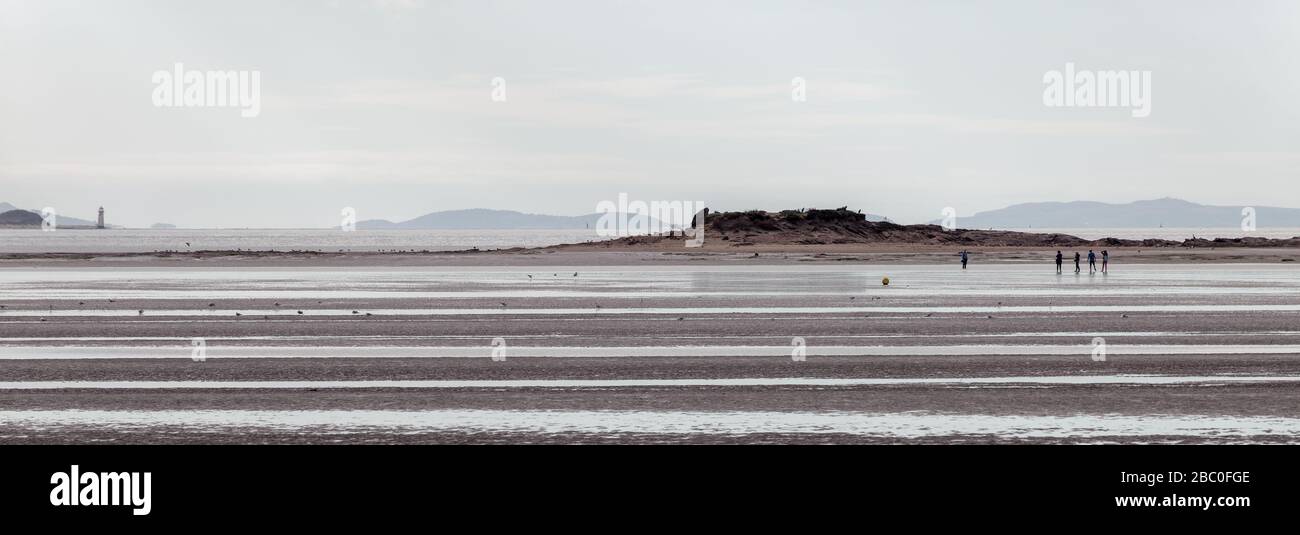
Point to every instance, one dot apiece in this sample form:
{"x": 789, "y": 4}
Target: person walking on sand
{"x": 1092, "y": 262}
{"x": 1058, "y": 262}
{"x": 1105, "y": 259}
{"x": 964, "y": 258}
{"x": 1076, "y": 261}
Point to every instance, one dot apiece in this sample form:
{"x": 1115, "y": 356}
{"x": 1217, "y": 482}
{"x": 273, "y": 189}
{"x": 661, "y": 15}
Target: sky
{"x": 387, "y": 106}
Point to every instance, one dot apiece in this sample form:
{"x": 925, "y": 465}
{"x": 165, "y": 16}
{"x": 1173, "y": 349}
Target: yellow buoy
{"x": 885, "y": 281}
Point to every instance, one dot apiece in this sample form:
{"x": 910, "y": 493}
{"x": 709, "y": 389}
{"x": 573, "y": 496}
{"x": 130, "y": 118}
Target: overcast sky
{"x": 386, "y": 106}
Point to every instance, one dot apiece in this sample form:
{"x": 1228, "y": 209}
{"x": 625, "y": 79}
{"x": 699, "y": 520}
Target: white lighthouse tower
{"x": 100, "y": 224}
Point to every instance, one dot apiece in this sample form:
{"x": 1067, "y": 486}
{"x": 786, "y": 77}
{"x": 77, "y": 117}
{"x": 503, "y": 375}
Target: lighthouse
{"x": 100, "y": 224}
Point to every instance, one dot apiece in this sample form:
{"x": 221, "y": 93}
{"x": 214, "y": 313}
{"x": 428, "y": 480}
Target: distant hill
{"x": 19, "y": 218}
{"x": 1167, "y": 212}
{"x": 482, "y": 218}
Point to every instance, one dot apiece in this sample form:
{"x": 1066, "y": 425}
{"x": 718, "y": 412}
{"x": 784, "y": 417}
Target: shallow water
{"x": 324, "y": 240}
{"x": 778, "y": 283}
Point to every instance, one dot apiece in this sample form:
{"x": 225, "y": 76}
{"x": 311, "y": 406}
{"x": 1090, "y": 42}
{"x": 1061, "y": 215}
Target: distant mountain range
{"x": 482, "y": 218}
{"x": 1167, "y": 212}
{"x": 62, "y": 220}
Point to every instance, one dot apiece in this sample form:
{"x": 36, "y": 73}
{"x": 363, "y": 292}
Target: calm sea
{"x": 325, "y": 240}
{"x": 333, "y": 240}
{"x": 1177, "y": 234}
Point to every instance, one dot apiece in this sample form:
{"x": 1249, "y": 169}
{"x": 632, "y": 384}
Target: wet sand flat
{"x": 715, "y": 353}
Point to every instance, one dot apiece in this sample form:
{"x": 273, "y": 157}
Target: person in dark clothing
{"x": 963, "y": 258}
{"x": 1058, "y": 262}
{"x": 1092, "y": 262}
{"x": 1076, "y": 261}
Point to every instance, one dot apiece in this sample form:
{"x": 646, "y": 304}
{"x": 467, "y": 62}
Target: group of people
{"x": 1092, "y": 261}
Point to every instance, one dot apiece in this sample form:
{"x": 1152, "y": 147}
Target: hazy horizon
{"x": 387, "y": 106}
{"x": 1230, "y": 221}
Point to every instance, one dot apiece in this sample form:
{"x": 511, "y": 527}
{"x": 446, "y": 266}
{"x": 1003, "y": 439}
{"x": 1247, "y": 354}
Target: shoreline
{"x": 601, "y": 255}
